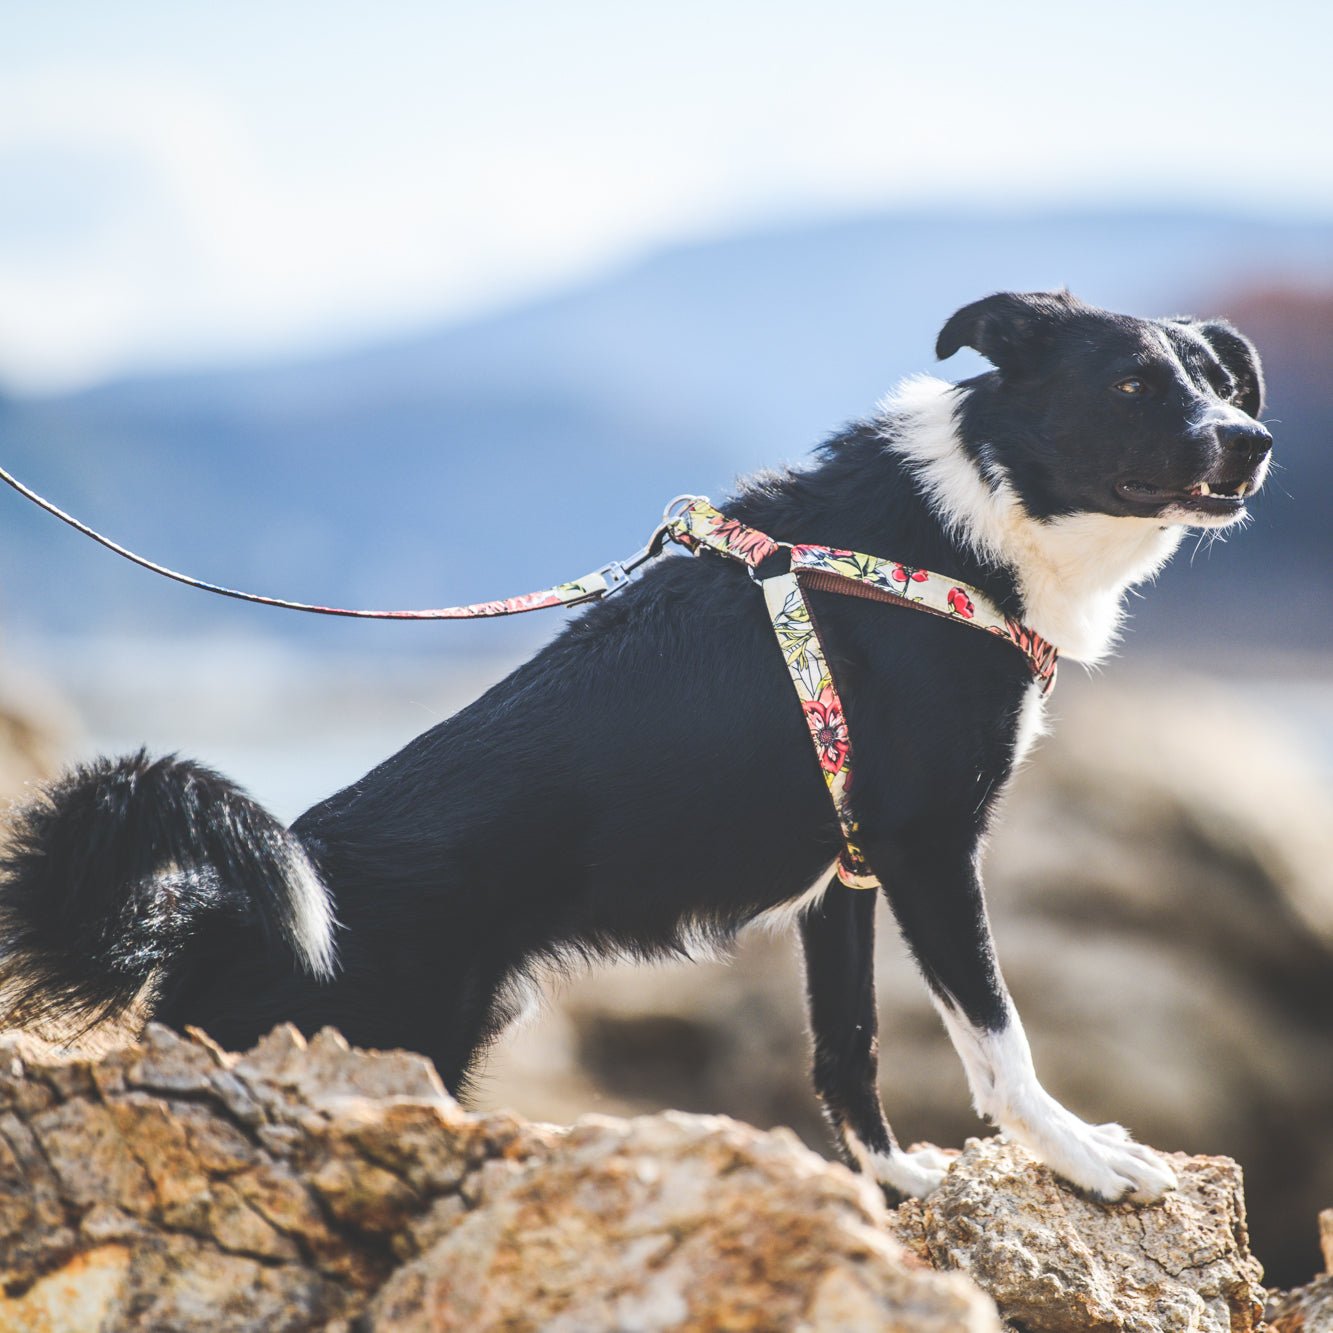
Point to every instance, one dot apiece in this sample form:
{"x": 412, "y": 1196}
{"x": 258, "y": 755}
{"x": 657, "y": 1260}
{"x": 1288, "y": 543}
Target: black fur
{"x": 110, "y": 874}
{"x": 648, "y": 776}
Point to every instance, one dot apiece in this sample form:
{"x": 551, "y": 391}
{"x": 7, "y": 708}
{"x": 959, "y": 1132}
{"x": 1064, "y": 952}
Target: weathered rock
{"x": 1308, "y": 1309}
{"x": 1305, "y": 1310}
{"x": 1054, "y": 1261}
{"x": 170, "y": 1186}
{"x": 667, "y": 1222}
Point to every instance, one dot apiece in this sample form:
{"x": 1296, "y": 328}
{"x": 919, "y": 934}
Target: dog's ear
{"x": 1010, "y": 329}
{"x": 1240, "y": 356}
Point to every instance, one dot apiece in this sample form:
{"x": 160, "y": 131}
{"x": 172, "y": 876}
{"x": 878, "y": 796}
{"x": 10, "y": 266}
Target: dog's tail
{"x": 110, "y": 873}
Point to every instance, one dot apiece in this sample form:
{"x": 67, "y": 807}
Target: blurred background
{"x": 433, "y": 303}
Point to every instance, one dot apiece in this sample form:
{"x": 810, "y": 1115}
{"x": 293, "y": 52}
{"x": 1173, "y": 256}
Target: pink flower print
{"x": 901, "y": 573}
{"x": 750, "y": 545}
{"x": 959, "y": 604}
{"x": 829, "y": 728}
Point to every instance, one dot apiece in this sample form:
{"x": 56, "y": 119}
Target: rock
{"x": 167, "y": 1185}
{"x": 1054, "y": 1261}
{"x": 667, "y": 1222}
{"x": 1308, "y": 1309}
{"x": 1305, "y": 1310}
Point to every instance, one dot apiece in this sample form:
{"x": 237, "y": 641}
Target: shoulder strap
{"x": 701, "y": 527}
{"x": 849, "y": 572}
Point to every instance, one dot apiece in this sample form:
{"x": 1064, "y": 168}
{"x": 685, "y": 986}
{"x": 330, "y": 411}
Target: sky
{"x": 182, "y": 184}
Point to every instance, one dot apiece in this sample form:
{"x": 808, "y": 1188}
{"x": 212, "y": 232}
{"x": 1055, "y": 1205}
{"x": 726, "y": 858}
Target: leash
{"x": 783, "y": 571}
{"x": 589, "y": 588}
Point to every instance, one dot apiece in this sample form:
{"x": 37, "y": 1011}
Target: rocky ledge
{"x": 170, "y": 1186}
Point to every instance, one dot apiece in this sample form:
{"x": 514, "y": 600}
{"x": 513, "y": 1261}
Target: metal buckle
{"x": 616, "y": 574}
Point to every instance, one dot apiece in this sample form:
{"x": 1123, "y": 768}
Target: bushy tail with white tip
{"x": 109, "y": 874}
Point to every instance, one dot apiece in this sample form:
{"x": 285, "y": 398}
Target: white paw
{"x": 916, "y": 1173}
{"x": 1101, "y": 1159}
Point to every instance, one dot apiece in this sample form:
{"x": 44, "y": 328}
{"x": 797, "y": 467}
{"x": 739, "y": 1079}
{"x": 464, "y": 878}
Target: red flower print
{"x": 751, "y": 546}
{"x": 959, "y": 604}
{"x": 901, "y": 573}
{"x": 829, "y": 728}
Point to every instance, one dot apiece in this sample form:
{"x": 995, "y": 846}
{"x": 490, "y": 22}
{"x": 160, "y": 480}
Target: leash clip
{"x": 617, "y": 573}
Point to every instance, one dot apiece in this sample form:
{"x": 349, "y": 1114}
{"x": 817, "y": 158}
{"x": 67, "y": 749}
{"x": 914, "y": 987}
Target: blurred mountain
{"x": 506, "y": 453}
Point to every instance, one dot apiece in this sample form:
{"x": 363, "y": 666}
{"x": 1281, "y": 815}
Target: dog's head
{"x": 1093, "y": 412}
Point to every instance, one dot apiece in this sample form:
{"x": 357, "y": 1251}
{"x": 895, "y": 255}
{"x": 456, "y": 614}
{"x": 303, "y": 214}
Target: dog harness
{"x": 782, "y": 569}
{"x": 700, "y": 527}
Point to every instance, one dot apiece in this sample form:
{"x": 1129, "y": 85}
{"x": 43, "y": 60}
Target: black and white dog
{"x": 646, "y": 779}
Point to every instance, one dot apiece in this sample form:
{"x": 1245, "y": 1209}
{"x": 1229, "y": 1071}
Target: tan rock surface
{"x": 1308, "y": 1309}
{"x": 168, "y": 1186}
{"x": 667, "y": 1222}
{"x": 1055, "y": 1262}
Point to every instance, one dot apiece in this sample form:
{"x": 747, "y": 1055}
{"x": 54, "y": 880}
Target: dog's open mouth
{"x": 1215, "y": 497}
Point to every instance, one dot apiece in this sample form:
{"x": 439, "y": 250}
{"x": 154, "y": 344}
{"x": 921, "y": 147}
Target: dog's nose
{"x": 1248, "y": 438}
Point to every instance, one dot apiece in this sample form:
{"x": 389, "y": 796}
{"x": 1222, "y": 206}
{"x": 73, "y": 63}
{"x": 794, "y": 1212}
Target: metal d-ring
{"x": 685, "y": 501}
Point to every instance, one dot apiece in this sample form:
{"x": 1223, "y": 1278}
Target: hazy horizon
{"x": 184, "y": 187}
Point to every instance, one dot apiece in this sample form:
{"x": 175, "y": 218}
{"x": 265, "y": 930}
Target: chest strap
{"x": 826, "y": 569}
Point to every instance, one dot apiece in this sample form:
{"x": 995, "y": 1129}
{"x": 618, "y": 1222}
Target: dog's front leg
{"x": 937, "y": 898}
{"x": 838, "y": 935}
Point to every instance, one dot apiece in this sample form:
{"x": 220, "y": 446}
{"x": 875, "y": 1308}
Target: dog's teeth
{"x": 1242, "y": 489}
{"x": 1204, "y": 488}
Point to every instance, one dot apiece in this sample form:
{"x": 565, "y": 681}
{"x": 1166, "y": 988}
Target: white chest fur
{"x": 1072, "y": 572}
{"x": 1032, "y": 722}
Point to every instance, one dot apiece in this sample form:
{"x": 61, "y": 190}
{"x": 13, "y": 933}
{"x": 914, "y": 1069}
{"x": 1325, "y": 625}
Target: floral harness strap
{"x": 700, "y": 527}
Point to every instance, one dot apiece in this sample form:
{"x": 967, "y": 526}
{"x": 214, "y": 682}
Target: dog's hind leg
{"x": 936, "y": 895}
{"x": 838, "y": 935}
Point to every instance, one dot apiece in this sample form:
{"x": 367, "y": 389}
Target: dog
{"x": 645, "y": 781}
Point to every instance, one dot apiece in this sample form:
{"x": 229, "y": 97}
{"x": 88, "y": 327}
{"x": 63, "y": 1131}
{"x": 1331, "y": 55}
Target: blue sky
{"x": 180, "y": 183}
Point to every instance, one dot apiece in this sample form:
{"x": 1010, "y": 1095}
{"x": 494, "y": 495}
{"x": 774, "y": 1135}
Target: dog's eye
{"x": 1131, "y": 388}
